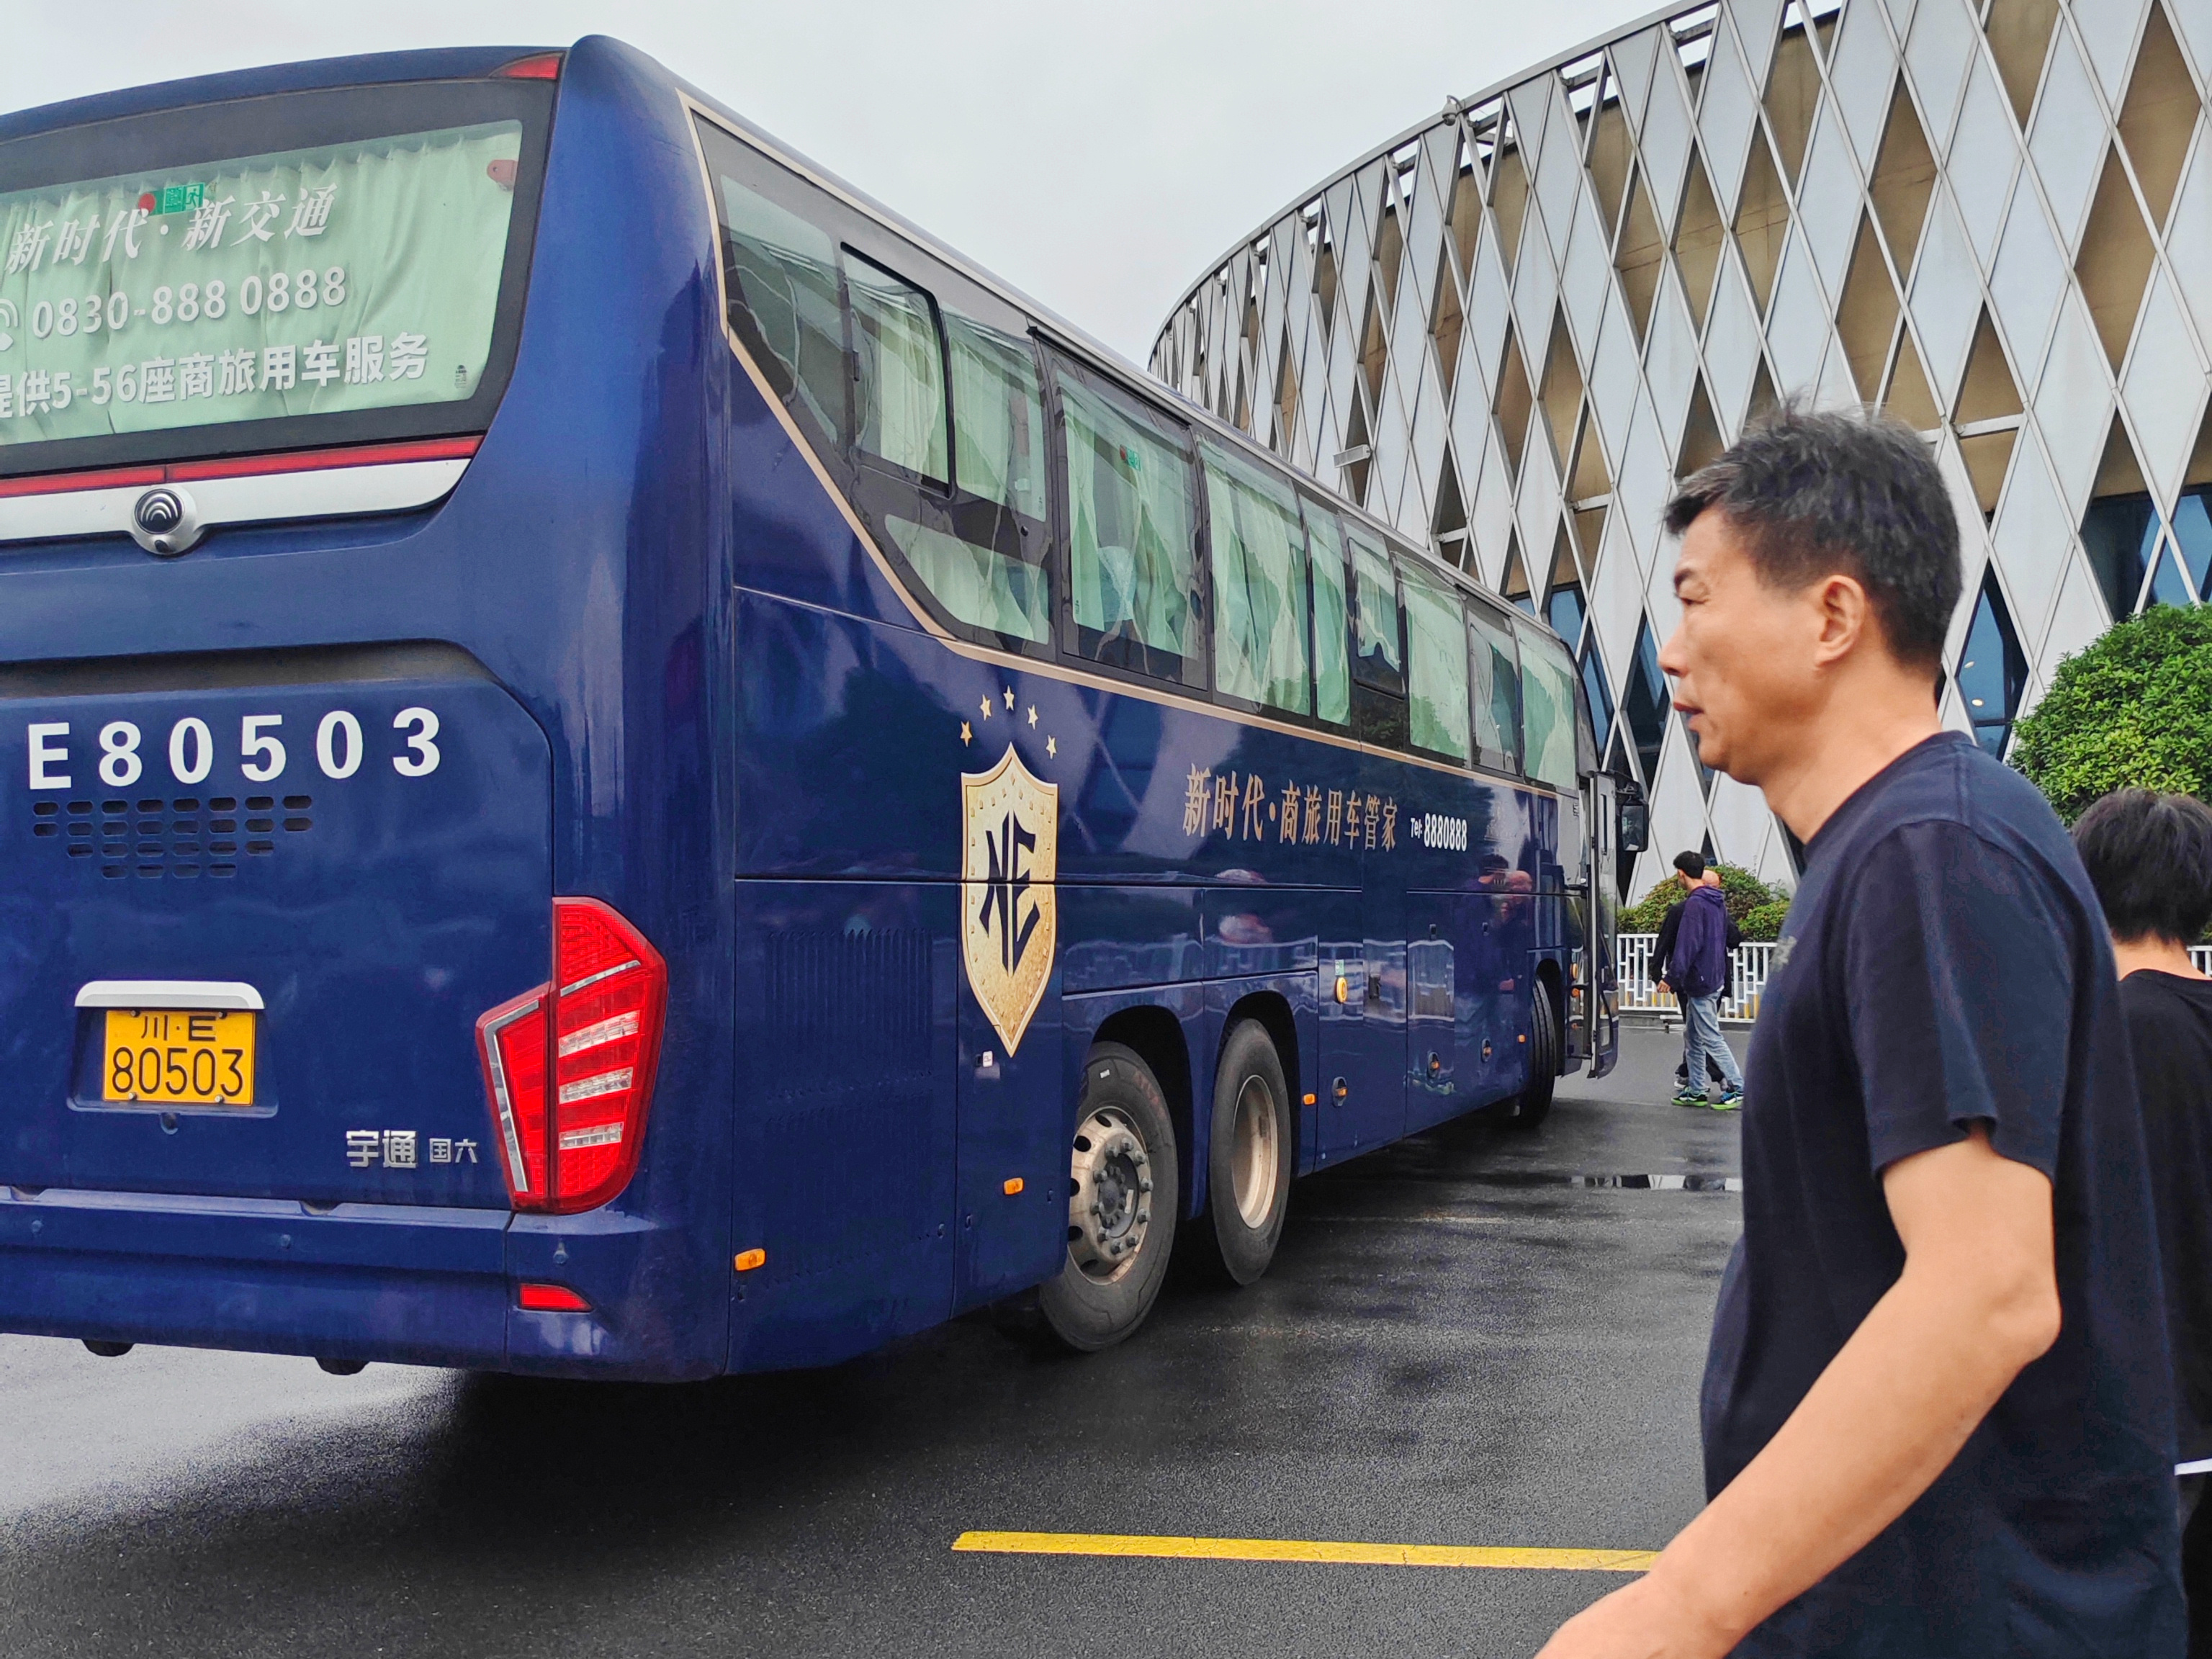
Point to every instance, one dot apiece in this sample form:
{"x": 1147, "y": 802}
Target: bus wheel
{"x": 1534, "y": 1104}
{"x": 1249, "y": 1169}
{"x": 1121, "y": 1199}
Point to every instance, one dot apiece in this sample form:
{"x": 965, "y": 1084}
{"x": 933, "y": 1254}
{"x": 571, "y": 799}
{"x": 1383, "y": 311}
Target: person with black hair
{"x": 1937, "y": 1406}
{"x": 1692, "y": 872}
{"x": 2149, "y": 857}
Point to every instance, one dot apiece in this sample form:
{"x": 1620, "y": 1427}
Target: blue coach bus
{"x": 622, "y": 766}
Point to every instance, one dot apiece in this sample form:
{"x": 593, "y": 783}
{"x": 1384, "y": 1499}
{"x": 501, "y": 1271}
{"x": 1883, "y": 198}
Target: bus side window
{"x": 781, "y": 274}
{"x": 1132, "y": 529}
{"x": 1497, "y": 684}
{"x": 1547, "y": 710}
{"x": 1331, "y": 616}
{"x": 898, "y": 373}
{"x": 982, "y": 550}
{"x": 1435, "y": 663}
{"x": 1260, "y": 598}
{"x": 1378, "y": 659}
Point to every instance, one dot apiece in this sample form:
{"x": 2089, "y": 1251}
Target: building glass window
{"x": 1645, "y": 702}
{"x": 1131, "y": 516}
{"x": 1259, "y": 557}
{"x": 1992, "y": 672}
{"x": 2120, "y": 534}
{"x": 2192, "y": 533}
{"x": 1436, "y": 663}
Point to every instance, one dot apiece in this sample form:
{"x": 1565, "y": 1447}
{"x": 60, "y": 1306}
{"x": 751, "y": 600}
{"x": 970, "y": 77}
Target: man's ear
{"x": 1842, "y": 617}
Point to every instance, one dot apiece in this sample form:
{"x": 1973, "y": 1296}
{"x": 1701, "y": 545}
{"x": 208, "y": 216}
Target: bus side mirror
{"x": 1635, "y": 818}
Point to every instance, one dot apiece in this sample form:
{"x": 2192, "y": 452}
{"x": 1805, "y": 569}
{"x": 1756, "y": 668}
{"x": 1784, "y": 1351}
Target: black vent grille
{"x": 183, "y": 838}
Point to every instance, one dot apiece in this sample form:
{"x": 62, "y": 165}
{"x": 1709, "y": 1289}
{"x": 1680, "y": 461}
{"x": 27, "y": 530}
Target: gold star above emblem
{"x": 1010, "y": 696}
{"x": 966, "y": 732}
{"x": 986, "y": 706}
{"x": 1052, "y": 745}
{"x": 1032, "y": 715}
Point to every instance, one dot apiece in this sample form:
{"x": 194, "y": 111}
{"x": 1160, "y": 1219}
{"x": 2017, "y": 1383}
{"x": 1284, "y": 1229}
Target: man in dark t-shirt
{"x": 1937, "y": 1412}
{"x": 2149, "y": 858}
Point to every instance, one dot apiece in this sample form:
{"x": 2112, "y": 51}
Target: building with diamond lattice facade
{"x": 1513, "y": 328}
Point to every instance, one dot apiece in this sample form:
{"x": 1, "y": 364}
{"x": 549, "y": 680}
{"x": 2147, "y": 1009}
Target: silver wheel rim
{"x": 1254, "y": 1152}
{"x": 1109, "y": 1195}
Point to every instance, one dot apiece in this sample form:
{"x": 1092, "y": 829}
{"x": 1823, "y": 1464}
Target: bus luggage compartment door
{"x": 346, "y": 855}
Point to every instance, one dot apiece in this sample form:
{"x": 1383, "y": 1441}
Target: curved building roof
{"x": 1512, "y": 327}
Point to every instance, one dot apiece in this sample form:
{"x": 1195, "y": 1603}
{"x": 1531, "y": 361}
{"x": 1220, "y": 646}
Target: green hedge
{"x": 1747, "y": 895}
{"x": 2132, "y": 710}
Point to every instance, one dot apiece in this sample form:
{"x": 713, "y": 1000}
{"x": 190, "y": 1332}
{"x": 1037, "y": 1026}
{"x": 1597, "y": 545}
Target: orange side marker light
{"x": 749, "y": 1260}
{"x": 1013, "y": 1187}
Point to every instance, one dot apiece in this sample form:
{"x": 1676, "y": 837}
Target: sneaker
{"x": 1690, "y": 1097}
{"x": 1731, "y": 1102}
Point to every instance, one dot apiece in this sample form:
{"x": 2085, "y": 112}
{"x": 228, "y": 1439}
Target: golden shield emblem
{"x": 1009, "y": 860}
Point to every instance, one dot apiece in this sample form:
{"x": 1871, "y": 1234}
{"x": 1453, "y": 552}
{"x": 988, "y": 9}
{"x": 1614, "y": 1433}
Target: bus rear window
{"x": 192, "y": 300}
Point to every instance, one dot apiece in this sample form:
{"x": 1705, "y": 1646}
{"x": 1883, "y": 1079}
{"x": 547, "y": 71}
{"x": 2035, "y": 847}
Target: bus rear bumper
{"x": 410, "y": 1284}
{"x": 361, "y": 1281}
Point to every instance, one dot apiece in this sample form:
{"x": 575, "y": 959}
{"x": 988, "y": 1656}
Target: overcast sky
{"x": 1097, "y": 156}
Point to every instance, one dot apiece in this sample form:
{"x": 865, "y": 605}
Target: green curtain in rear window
{"x": 1130, "y": 519}
{"x": 1547, "y": 711}
{"x": 1259, "y": 586}
{"x": 783, "y": 275}
{"x": 898, "y": 372}
{"x": 1435, "y": 663}
{"x": 1332, "y": 663}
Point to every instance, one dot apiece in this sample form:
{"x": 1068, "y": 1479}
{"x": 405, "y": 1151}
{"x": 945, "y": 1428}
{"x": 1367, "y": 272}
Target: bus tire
{"x": 1534, "y": 1103}
{"x": 1250, "y": 1154}
{"x": 1124, "y": 1191}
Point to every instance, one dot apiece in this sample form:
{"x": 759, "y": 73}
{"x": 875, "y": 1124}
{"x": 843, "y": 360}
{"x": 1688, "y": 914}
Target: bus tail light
{"x": 568, "y": 1098}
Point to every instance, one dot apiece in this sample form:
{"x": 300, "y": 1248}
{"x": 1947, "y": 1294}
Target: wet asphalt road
{"x": 1455, "y": 1346}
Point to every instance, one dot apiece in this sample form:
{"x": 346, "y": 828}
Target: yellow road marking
{"x": 1301, "y": 1549}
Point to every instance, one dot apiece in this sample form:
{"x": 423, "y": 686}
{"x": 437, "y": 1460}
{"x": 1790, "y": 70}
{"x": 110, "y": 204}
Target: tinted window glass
{"x": 998, "y": 417}
{"x": 782, "y": 274}
{"x": 1332, "y": 617}
{"x": 982, "y": 553}
{"x": 1496, "y": 690}
{"x": 1132, "y": 568}
{"x": 979, "y": 585}
{"x": 1547, "y": 710}
{"x": 1435, "y": 663}
{"x": 1260, "y": 620}
{"x": 1376, "y": 660}
{"x": 898, "y": 372}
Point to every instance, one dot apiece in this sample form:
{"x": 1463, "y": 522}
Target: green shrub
{"x": 2132, "y": 710}
{"x": 1764, "y": 924}
{"x": 1743, "y": 892}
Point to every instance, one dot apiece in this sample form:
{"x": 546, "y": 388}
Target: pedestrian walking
{"x": 2149, "y": 857}
{"x": 1937, "y": 1412}
{"x": 1696, "y": 967}
{"x": 1691, "y": 872}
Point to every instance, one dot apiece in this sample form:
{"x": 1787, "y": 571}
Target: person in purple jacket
{"x": 1696, "y": 967}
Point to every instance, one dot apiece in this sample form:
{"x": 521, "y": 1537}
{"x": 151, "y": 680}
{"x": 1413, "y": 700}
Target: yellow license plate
{"x": 178, "y": 1057}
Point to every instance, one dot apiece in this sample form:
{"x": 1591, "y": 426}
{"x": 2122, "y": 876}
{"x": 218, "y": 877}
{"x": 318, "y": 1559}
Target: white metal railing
{"x": 1748, "y": 964}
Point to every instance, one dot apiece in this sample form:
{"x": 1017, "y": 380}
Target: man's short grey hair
{"x": 1853, "y": 492}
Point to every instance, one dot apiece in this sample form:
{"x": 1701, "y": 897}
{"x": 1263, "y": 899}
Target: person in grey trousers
{"x": 1694, "y": 951}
